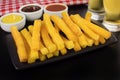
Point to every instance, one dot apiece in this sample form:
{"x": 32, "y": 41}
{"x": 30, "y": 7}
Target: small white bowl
{"x": 55, "y": 8}
{"x": 20, "y": 24}
{"x": 32, "y": 15}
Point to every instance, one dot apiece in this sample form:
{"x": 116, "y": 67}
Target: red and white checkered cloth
{"x": 9, "y": 6}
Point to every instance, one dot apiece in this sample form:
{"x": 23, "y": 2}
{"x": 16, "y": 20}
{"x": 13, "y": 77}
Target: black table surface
{"x": 100, "y": 64}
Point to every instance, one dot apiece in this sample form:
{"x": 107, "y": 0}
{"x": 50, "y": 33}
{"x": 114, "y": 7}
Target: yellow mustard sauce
{"x": 13, "y": 18}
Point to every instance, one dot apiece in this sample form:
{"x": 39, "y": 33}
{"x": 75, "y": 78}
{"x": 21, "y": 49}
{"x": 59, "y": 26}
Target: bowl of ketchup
{"x": 55, "y": 8}
{"x": 32, "y": 11}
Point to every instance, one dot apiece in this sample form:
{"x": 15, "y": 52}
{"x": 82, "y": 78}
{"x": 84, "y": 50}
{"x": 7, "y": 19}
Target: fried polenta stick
{"x": 56, "y": 53}
{"x": 102, "y": 40}
{"x": 42, "y": 57}
{"x": 47, "y": 40}
{"x": 51, "y": 30}
{"x": 75, "y": 28}
{"x": 56, "y": 28}
{"x": 76, "y": 18}
{"x": 30, "y": 28}
{"x": 27, "y": 36}
{"x": 97, "y": 29}
{"x": 27, "y": 40}
{"x": 89, "y": 40}
{"x": 88, "y": 16}
{"x": 77, "y": 47}
{"x": 96, "y": 42}
{"x": 49, "y": 55}
{"x": 33, "y": 56}
{"x": 68, "y": 43}
{"x": 35, "y": 41}
{"x": 63, "y": 51}
{"x": 83, "y": 41}
{"x": 28, "y": 50}
{"x": 21, "y": 50}
{"x": 43, "y": 49}
{"x": 63, "y": 27}
{"x": 26, "y": 45}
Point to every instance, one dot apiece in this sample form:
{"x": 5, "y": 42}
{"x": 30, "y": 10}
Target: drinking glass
{"x": 96, "y": 8}
{"x": 112, "y": 15}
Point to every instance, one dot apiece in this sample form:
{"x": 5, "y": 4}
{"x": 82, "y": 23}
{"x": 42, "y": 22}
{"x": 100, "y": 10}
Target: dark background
{"x": 101, "y": 64}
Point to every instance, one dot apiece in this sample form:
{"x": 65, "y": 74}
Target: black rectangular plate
{"x": 15, "y": 60}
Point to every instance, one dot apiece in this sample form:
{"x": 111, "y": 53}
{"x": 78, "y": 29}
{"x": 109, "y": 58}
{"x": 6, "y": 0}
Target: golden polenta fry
{"x": 47, "y": 40}
{"x": 30, "y": 28}
{"x": 35, "y": 41}
{"x": 28, "y": 50}
{"x": 56, "y": 53}
{"x": 30, "y": 58}
{"x": 42, "y": 57}
{"x": 26, "y": 45}
{"x": 56, "y": 28}
{"x": 21, "y": 50}
{"x": 63, "y": 27}
{"x": 63, "y": 51}
{"x": 51, "y": 30}
{"x": 43, "y": 49}
{"x": 96, "y": 42}
{"x": 76, "y": 18}
{"x": 102, "y": 40}
{"x": 89, "y": 40}
{"x": 102, "y": 32}
{"x": 27, "y": 36}
{"x": 97, "y": 29}
{"x": 49, "y": 55}
{"x": 68, "y": 43}
{"x": 77, "y": 47}
{"x": 75, "y": 28}
{"x": 88, "y": 16}
{"x": 27, "y": 40}
{"x": 83, "y": 41}
{"x": 33, "y": 56}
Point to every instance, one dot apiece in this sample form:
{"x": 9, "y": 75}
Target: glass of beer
{"x": 96, "y": 5}
{"x": 96, "y": 8}
{"x": 112, "y": 15}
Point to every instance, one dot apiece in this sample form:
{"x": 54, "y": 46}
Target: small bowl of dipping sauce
{"x": 55, "y": 8}
{"x": 12, "y": 19}
{"x": 31, "y": 11}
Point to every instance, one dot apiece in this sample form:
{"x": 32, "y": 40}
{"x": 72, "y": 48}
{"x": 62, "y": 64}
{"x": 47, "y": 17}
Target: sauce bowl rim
{"x": 63, "y": 4}
{"x": 41, "y": 8}
{"x": 20, "y": 14}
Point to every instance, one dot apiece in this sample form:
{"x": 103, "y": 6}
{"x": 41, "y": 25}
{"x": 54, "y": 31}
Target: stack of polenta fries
{"x": 44, "y": 40}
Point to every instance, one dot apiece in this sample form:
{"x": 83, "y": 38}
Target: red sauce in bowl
{"x": 55, "y": 7}
{"x": 31, "y": 8}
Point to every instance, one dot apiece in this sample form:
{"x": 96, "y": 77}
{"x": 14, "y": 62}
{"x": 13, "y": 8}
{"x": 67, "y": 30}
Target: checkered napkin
{"x": 9, "y": 6}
